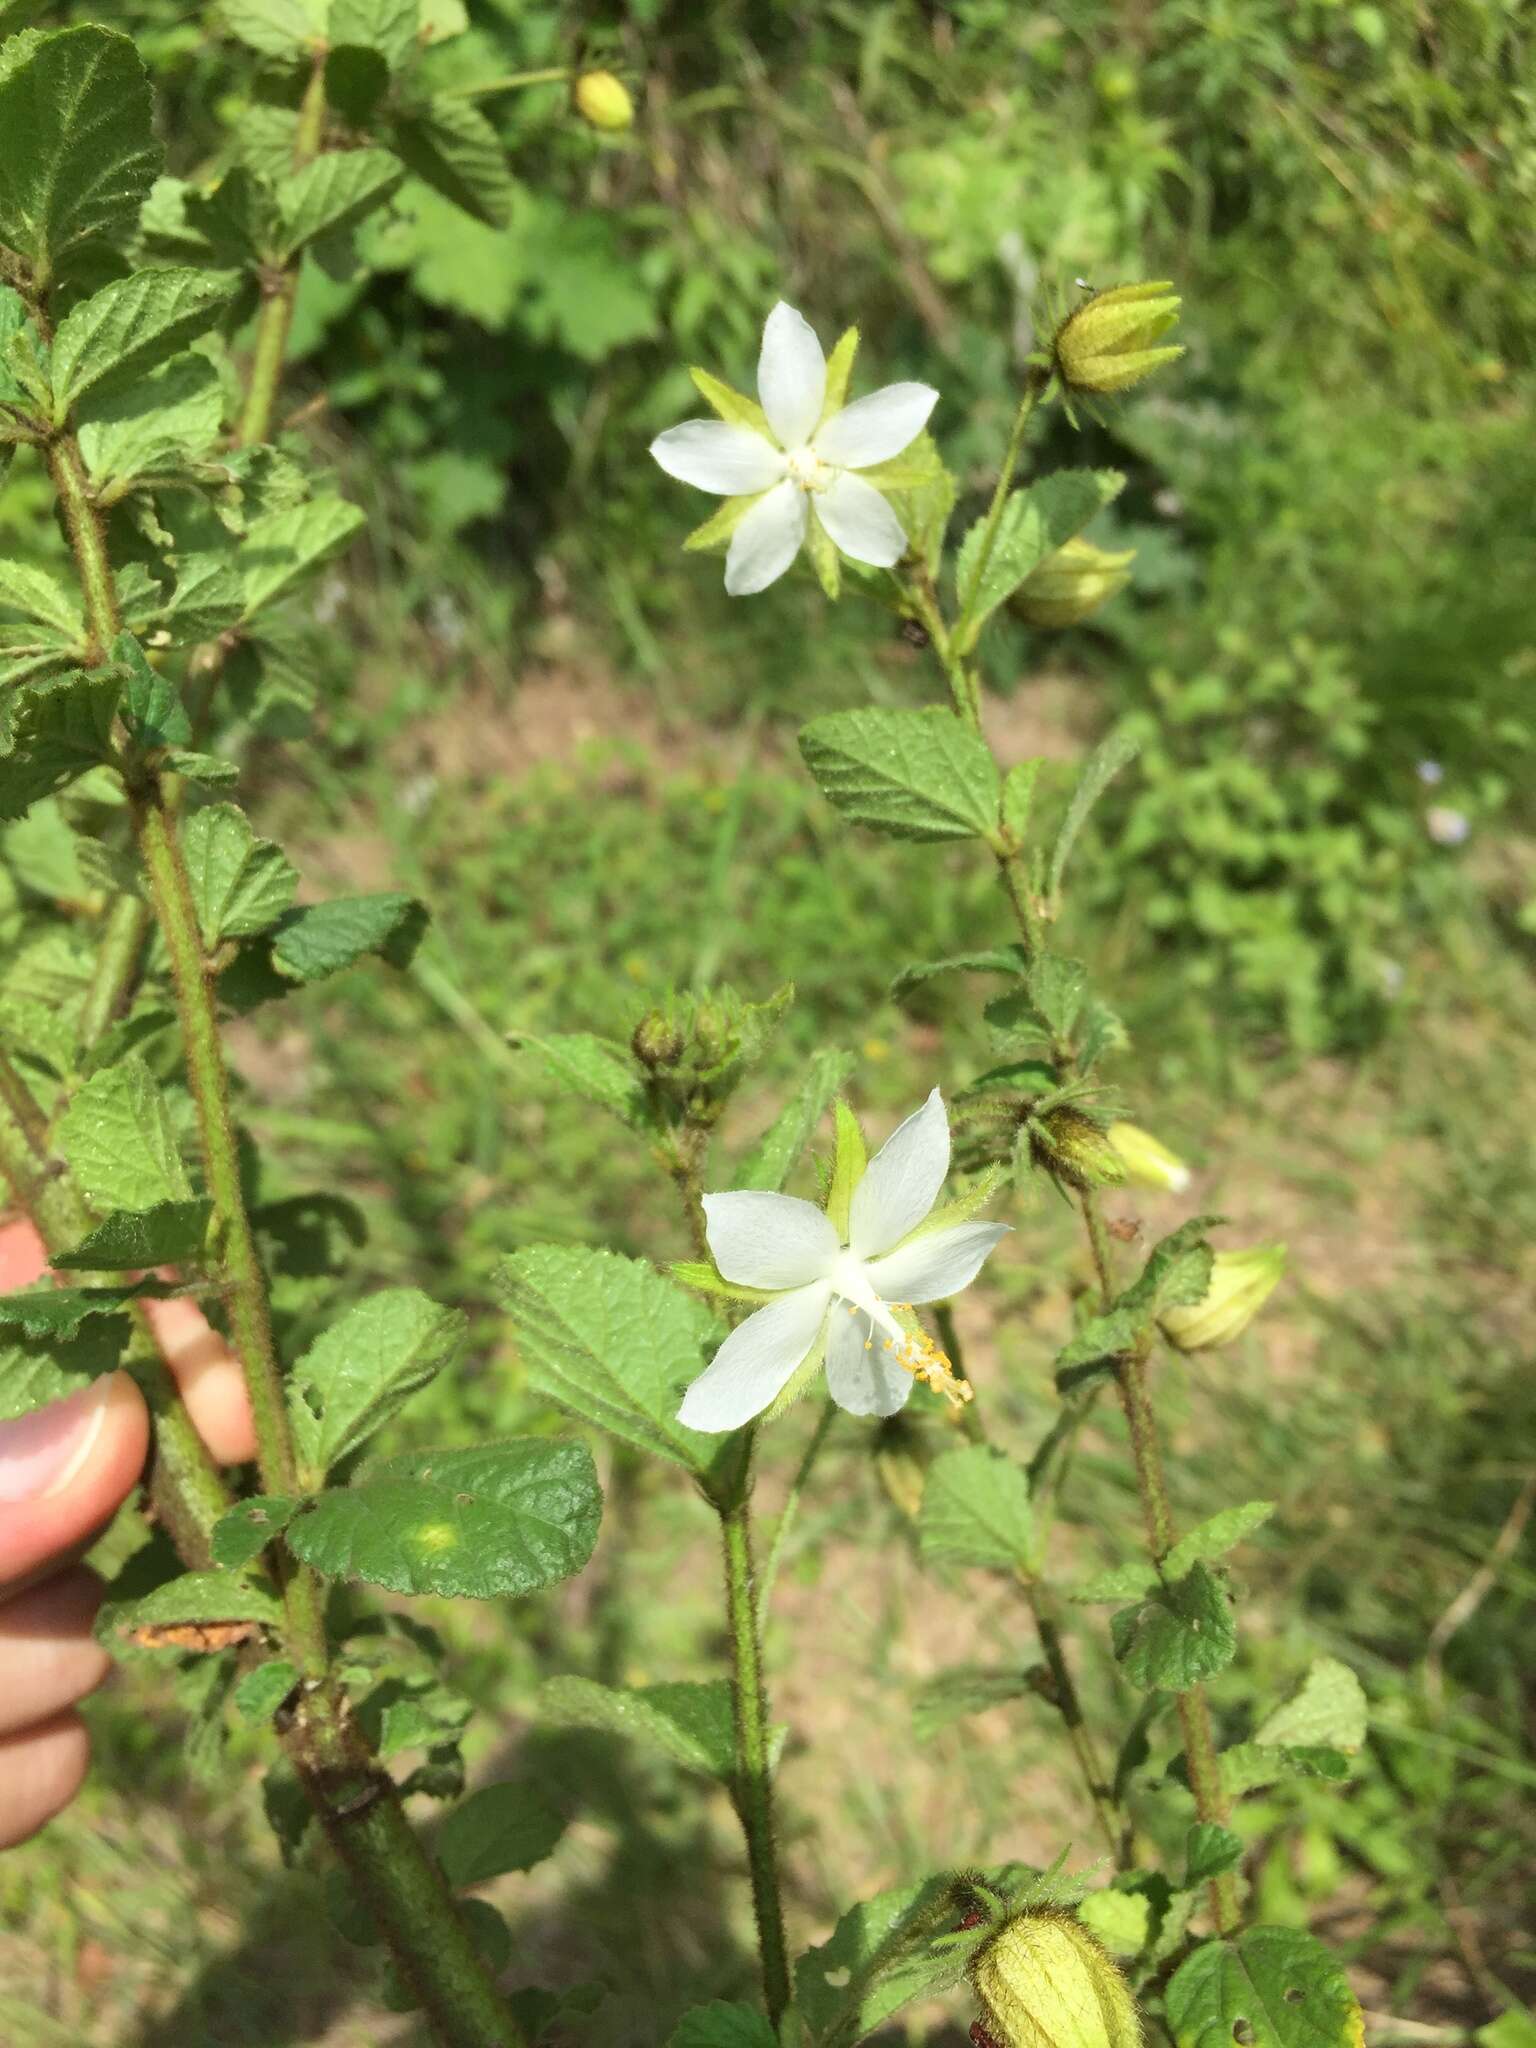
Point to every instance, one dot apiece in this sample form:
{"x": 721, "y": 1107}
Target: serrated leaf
{"x": 1009, "y": 960}
{"x": 612, "y": 1342}
{"x": 80, "y": 151}
{"x": 1035, "y": 522}
{"x": 57, "y": 1312}
{"x": 497, "y": 1829}
{"x": 452, "y": 147}
{"x": 119, "y": 334}
{"x": 913, "y": 774}
{"x": 195, "y": 1599}
{"x": 208, "y": 599}
{"x": 771, "y": 1162}
{"x": 206, "y": 769}
{"x": 46, "y": 1367}
{"x": 722, "y": 2026}
{"x": 334, "y": 192}
{"x": 241, "y": 1535}
{"x": 1121, "y": 1920}
{"x": 691, "y": 1722}
{"x": 1178, "y": 1635}
{"x": 323, "y": 938}
{"x": 1124, "y": 1582}
{"x": 240, "y": 884}
{"x": 117, "y": 1139}
{"x": 275, "y": 28}
{"x": 51, "y": 734}
{"x": 883, "y": 1953}
{"x": 1272, "y": 1987}
{"x": 1099, "y": 770}
{"x": 150, "y": 703}
{"x": 1210, "y": 1851}
{"x": 38, "y": 595}
{"x": 597, "y": 1069}
{"x": 258, "y": 1695}
{"x": 976, "y": 1510}
{"x": 282, "y": 547}
{"x": 1329, "y": 1707}
{"x": 170, "y": 1234}
{"x": 1216, "y": 1536}
{"x": 388, "y": 26}
{"x": 365, "y": 1367}
{"x": 494, "y": 1519}
{"x": 966, "y": 1689}
{"x": 1249, "y": 1766}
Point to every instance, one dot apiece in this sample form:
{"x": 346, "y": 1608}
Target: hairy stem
{"x": 1064, "y": 1697}
{"x": 963, "y": 687}
{"x": 1034, "y": 387}
{"x": 280, "y": 286}
{"x": 753, "y": 1789}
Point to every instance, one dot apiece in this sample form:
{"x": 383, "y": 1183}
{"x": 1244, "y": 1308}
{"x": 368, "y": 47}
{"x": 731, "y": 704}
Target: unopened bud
{"x": 603, "y": 102}
{"x": 901, "y": 1462}
{"x": 1241, "y": 1283}
{"x": 657, "y": 1040}
{"x": 1072, "y": 1148}
{"x": 1043, "y": 1981}
{"x": 1109, "y": 343}
{"x": 1148, "y": 1163}
{"x": 1071, "y": 583}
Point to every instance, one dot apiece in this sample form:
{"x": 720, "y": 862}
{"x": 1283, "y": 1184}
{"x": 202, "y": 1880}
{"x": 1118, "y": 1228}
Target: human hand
{"x": 64, "y": 1471}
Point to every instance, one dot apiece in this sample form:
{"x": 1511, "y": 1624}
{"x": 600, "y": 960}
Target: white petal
{"x": 755, "y": 1362}
{"x": 763, "y": 1240}
{"x": 902, "y": 1181}
{"x": 719, "y": 457}
{"x": 862, "y": 1376}
{"x": 860, "y": 521}
{"x": 875, "y": 428}
{"x": 767, "y": 540}
{"x": 791, "y": 376}
{"x": 933, "y": 1268}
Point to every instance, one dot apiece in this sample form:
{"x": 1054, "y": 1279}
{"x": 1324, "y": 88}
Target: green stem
{"x": 83, "y": 523}
{"x": 963, "y": 687}
{"x": 1025, "y": 908}
{"x": 1065, "y": 1699}
{"x": 753, "y": 1788}
{"x": 1034, "y": 387}
{"x": 280, "y": 286}
{"x": 124, "y": 930}
{"x": 511, "y": 81}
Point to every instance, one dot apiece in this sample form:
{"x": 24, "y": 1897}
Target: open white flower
{"x": 846, "y": 1296}
{"x": 800, "y": 465}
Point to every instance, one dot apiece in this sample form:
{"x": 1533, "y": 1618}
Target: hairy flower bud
{"x": 1071, "y": 583}
{"x": 1071, "y": 1147}
{"x": 603, "y": 101}
{"x": 1148, "y": 1162}
{"x": 657, "y": 1040}
{"x": 1043, "y": 1981}
{"x": 1108, "y": 343}
{"x": 1241, "y": 1283}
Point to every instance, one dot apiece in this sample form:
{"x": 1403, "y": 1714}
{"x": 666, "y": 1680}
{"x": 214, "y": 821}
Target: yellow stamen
{"x": 921, "y": 1357}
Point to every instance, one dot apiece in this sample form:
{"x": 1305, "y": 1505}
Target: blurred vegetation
{"x": 565, "y": 736}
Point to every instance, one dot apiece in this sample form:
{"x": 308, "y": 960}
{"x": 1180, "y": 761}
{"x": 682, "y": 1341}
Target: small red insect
{"x": 981, "y": 2038}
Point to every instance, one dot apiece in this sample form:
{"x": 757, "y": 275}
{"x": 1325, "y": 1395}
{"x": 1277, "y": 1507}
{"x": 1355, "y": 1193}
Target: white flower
{"x": 1445, "y": 826}
{"x": 843, "y": 1294}
{"x": 803, "y": 464}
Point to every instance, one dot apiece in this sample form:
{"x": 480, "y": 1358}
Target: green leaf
{"x": 914, "y": 774}
{"x": 497, "y": 1829}
{"x": 1273, "y": 1987}
{"x": 275, "y": 28}
{"x": 116, "y": 1138}
{"x": 1056, "y": 987}
{"x": 726, "y": 2026}
{"x": 258, "y": 1695}
{"x": 388, "y": 26}
{"x": 160, "y": 424}
{"x": 282, "y": 547}
{"x": 116, "y": 336}
{"x": 1019, "y": 797}
{"x": 1249, "y": 1766}
{"x": 208, "y": 599}
{"x": 244, "y": 1532}
{"x": 170, "y": 1234}
{"x": 37, "y": 595}
{"x": 39, "y": 1369}
{"x": 597, "y": 1069}
{"x": 964, "y": 1690}
{"x": 1121, "y": 1920}
{"x": 207, "y": 769}
{"x": 690, "y": 1722}
{"x": 1034, "y": 523}
{"x": 51, "y": 734}
{"x": 1216, "y": 1536}
{"x": 976, "y": 1510}
{"x": 193, "y": 1597}
{"x": 240, "y": 884}
{"x": 356, "y": 80}
{"x": 612, "y": 1342}
{"x": 150, "y": 704}
{"x": 1099, "y": 770}
{"x": 452, "y": 147}
{"x": 365, "y": 1367}
{"x": 336, "y": 191}
{"x": 323, "y": 938}
{"x": 57, "y": 1312}
{"x": 1009, "y": 960}
{"x": 893, "y": 1948}
{"x": 1176, "y": 1636}
{"x": 80, "y": 152}
{"x": 494, "y": 1519}
{"x": 772, "y": 1160}
{"x": 1330, "y": 1707}
{"x": 1210, "y": 1851}
{"x": 1124, "y": 1582}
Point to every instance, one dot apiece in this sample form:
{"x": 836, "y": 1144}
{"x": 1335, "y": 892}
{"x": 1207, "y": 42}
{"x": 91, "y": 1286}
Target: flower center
{"x": 807, "y": 469}
{"x": 912, "y": 1349}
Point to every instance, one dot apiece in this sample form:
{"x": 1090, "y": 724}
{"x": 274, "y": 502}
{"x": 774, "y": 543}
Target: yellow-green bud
{"x": 603, "y": 101}
{"x": 1043, "y": 1981}
{"x": 1241, "y": 1283}
{"x": 1108, "y": 343}
{"x": 1074, "y": 1149}
{"x": 1148, "y": 1163}
{"x": 1070, "y": 584}
{"x": 657, "y": 1040}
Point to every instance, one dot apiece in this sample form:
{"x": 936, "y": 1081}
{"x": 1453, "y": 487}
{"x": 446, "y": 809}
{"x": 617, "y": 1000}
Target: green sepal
{"x": 703, "y": 1279}
{"x": 825, "y": 559}
{"x": 730, "y": 404}
{"x": 715, "y": 532}
{"x": 849, "y": 1160}
{"x": 839, "y": 374}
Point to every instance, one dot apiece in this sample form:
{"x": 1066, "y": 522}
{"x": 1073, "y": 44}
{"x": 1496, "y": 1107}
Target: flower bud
{"x": 1107, "y": 344}
{"x": 658, "y": 1040}
{"x": 1043, "y": 1981}
{"x": 603, "y": 102}
{"x": 1241, "y": 1283}
{"x": 1071, "y": 1147}
{"x": 1071, "y": 583}
{"x": 1148, "y": 1163}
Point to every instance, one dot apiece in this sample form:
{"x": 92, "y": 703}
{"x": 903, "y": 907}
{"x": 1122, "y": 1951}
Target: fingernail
{"x": 40, "y": 1453}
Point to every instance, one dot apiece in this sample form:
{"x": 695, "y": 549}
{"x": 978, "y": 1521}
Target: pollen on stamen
{"x": 921, "y": 1357}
